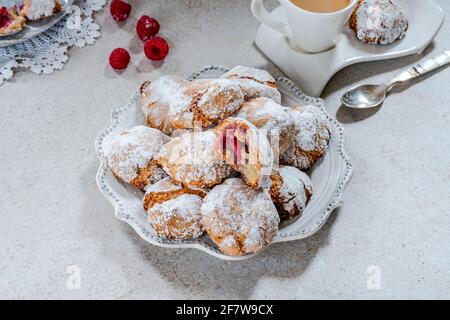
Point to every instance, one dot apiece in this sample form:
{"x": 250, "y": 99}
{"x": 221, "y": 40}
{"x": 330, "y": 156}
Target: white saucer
{"x": 312, "y": 71}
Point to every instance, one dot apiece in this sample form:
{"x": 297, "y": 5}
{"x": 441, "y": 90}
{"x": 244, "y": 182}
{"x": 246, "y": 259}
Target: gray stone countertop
{"x": 395, "y": 221}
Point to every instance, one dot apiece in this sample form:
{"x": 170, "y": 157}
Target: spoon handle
{"x": 420, "y": 69}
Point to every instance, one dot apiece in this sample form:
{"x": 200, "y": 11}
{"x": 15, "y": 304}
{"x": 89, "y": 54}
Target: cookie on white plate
{"x": 131, "y": 156}
{"x": 38, "y": 9}
{"x": 174, "y": 210}
{"x": 255, "y": 83}
{"x": 10, "y": 21}
{"x": 291, "y": 191}
{"x": 239, "y": 219}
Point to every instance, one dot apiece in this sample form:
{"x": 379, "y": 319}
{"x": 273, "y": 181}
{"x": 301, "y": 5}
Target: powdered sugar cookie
{"x": 171, "y": 103}
{"x": 379, "y": 21}
{"x": 291, "y": 191}
{"x": 246, "y": 149}
{"x": 311, "y": 138}
{"x": 255, "y": 83}
{"x": 166, "y": 105}
{"x": 239, "y": 219}
{"x": 192, "y": 160}
{"x": 38, "y": 9}
{"x": 174, "y": 210}
{"x": 10, "y": 21}
{"x": 272, "y": 117}
{"x": 132, "y": 154}
{"x": 218, "y": 99}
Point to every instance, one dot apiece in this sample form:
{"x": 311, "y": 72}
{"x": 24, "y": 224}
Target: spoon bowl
{"x": 365, "y": 96}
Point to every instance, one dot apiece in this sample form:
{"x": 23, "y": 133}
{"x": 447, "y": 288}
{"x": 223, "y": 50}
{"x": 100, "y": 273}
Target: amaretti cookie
{"x": 239, "y": 219}
{"x": 379, "y": 21}
{"x": 291, "y": 191}
{"x": 131, "y": 155}
{"x": 171, "y": 103}
{"x": 192, "y": 160}
{"x": 255, "y": 83}
{"x": 10, "y": 21}
{"x": 311, "y": 138}
{"x": 174, "y": 210}
{"x": 274, "y": 119}
{"x": 38, "y": 9}
{"x": 246, "y": 149}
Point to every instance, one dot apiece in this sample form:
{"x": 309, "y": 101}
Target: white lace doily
{"x": 47, "y": 52}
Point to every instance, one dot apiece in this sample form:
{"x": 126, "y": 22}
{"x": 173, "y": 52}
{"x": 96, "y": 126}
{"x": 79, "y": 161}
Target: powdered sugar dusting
{"x": 270, "y": 116}
{"x": 178, "y": 218}
{"x": 239, "y": 219}
{"x": 171, "y": 103}
{"x": 166, "y": 104}
{"x": 259, "y": 75}
{"x": 36, "y": 9}
{"x": 222, "y": 98}
{"x": 380, "y": 21}
{"x": 255, "y": 83}
{"x": 312, "y": 137}
{"x": 295, "y": 190}
{"x": 192, "y": 160}
{"x": 164, "y": 185}
{"x": 132, "y": 150}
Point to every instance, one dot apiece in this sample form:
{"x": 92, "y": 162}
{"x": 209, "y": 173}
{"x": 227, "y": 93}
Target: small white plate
{"x": 34, "y": 28}
{"x": 312, "y": 71}
{"x": 329, "y": 177}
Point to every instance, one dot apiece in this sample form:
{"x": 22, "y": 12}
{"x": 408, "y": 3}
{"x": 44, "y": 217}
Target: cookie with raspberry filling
{"x": 246, "y": 149}
{"x": 10, "y": 21}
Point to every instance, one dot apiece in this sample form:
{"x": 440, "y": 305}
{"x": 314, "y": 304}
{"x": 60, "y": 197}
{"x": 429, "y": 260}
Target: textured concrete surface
{"x": 395, "y": 222}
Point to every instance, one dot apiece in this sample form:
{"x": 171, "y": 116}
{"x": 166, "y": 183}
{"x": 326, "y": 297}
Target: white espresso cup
{"x": 311, "y": 31}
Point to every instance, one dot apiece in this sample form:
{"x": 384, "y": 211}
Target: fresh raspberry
{"x": 120, "y": 10}
{"x": 119, "y": 59}
{"x": 147, "y": 27}
{"x": 156, "y": 48}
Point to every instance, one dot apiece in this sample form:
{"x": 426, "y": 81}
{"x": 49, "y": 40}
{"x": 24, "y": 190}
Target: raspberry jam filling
{"x": 233, "y": 144}
{"x": 5, "y": 20}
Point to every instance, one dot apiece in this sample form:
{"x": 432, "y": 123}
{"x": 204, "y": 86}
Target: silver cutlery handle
{"x": 421, "y": 69}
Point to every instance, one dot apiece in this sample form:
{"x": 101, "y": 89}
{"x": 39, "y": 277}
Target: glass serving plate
{"x": 329, "y": 176}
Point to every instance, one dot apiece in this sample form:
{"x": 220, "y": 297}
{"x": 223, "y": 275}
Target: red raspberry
{"x": 119, "y": 59}
{"x": 147, "y": 27}
{"x": 156, "y": 48}
{"x": 120, "y": 10}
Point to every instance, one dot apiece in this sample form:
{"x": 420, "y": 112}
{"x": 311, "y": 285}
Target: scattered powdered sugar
{"x": 254, "y": 83}
{"x": 167, "y": 105}
{"x": 238, "y": 219}
{"x": 295, "y": 190}
{"x": 36, "y": 9}
{"x": 171, "y": 103}
{"x": 312, "y": 130}
{"x": 132, "y": 150}
{"x": 192, "y": 160}
{"x": 380, "y": 21}
{"x": 259, "y": 75}
{"x": 253, "y": 89}
{"x": 311, "y": 140}
{"x": 164, "y": 185}
{"x": 222, "y": 98}
{"x": 178, "y": 218}
{"x": 275, "y": 119}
